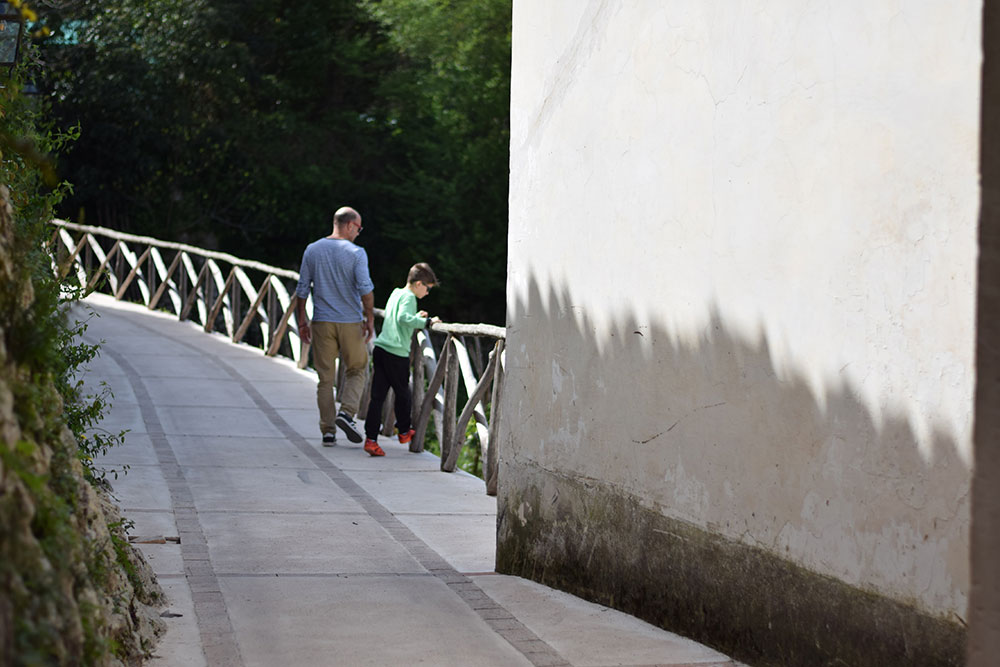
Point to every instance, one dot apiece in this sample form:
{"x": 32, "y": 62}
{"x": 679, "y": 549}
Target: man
{"x": 343, "y": 320}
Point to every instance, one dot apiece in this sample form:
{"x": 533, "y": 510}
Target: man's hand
{"x": 300, "y": 316}
{"x": 368, "y": 306}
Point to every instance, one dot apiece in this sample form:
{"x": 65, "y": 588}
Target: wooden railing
{"x": 254, "y": 304}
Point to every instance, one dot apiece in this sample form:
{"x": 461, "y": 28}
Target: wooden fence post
{"x": 474, "y": 398}
{"x": 417, "y": 444}
{"x": 64, "y": 268}
{"x": 165, "y": 284}
{"x": 388, "y": 413}
{"x": 416, "y": 385}
{"x": 216, "y": 306}
{"x": 104, "y": 264}
{"x": 136, "y": 270}
{"x": 493, "y": 452}
{"x": 192, "y": 295}
{"x": 241, "y": 331}
{"x": 451, "y": 376}
{"x": 279, "y": 332}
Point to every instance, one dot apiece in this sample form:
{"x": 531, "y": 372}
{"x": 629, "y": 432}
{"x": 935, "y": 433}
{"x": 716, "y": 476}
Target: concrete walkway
{"x": 279, "y": 552}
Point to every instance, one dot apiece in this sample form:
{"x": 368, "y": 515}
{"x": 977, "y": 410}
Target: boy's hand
{"x": 435, "y": 320}
{"x": 421, "y": 313}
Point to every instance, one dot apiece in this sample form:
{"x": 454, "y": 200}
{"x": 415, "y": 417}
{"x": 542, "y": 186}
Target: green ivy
{"x": 42, "y": 359}
{"x": 470, "y": 458}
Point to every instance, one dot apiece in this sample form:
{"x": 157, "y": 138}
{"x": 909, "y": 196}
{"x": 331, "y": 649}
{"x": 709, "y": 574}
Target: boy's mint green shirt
{"x": 400, "y": 321}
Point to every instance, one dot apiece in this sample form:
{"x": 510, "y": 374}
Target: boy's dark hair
{"x": 422, "y": 272}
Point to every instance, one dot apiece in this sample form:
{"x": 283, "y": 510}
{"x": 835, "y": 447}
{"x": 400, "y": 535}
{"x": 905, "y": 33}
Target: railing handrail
{"x": 170, "y": 245}
{"x": 211, "y": 295}
{"x": 458, "y": 329}
{"x": 489, "y": 330}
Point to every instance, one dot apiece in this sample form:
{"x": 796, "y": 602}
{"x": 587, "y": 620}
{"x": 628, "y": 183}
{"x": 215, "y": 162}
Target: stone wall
{"x": 72, "y": 590}
{"x": 741, "y": 319}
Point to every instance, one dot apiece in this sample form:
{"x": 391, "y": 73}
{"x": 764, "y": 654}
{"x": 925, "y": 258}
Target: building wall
{"x": 741, "y": 303}
{"x": 984, "y": 598}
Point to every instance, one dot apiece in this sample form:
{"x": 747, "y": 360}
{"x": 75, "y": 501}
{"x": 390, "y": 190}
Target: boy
{"x": 392, "y": 355}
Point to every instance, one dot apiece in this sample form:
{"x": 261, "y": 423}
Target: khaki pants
{"x": 346, "y": 340}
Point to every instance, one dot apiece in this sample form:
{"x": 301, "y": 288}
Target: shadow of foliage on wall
{"x": 695, "y": 483}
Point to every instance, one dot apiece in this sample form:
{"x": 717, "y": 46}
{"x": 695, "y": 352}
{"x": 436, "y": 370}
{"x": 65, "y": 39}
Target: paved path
{"x": 292, "y": 554}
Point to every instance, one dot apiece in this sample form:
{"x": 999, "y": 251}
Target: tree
{"x": 448, "y": 100}
{"x": 242, "y": 125}
{"x": 223, "y": 123}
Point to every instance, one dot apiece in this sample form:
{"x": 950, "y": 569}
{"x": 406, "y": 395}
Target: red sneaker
{"x": 406, "y": 437}
{"x": 372, "y": 448}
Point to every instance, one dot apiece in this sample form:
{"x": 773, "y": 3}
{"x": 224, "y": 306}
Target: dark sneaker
{"x": 349, "y": 428}
{"x": 372, "y": 448}
{"x": 405, "y": 438}
{"x": 329, "y": 439}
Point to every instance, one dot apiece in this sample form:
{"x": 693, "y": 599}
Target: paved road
{"x": 292, "y": 554}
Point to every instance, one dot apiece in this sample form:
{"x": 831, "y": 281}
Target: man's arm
{"x": 305, "y": 284}
{"x": 300, "y": 317}
{"x": 368, "y": 304}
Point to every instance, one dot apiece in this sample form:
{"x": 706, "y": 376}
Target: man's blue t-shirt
{"x": 337, "y": 272}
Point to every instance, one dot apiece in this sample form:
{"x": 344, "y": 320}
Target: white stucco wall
{"x": 742, "y": 271}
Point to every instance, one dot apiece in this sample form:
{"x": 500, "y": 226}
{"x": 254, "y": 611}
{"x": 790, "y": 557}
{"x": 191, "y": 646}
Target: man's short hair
{"x": 344, "y": 216}
{"x": 422, "y": 272}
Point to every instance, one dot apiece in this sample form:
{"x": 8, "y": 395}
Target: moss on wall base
{"x": 747, "y": 602}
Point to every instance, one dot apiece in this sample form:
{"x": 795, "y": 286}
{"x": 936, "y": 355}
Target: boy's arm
{"x": 411, "y": 320}
{"x": 408, "y": 316}
{"x": 428, "y": 320}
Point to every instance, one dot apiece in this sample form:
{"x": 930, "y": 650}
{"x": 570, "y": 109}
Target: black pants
{"x": 390, "y": 371}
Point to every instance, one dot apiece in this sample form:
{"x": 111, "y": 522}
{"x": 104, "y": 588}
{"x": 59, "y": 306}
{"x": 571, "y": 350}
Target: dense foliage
{"x": 242, "y": 125}
{"x": 35, "y": 333}
{"x": 70, "y": 592}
